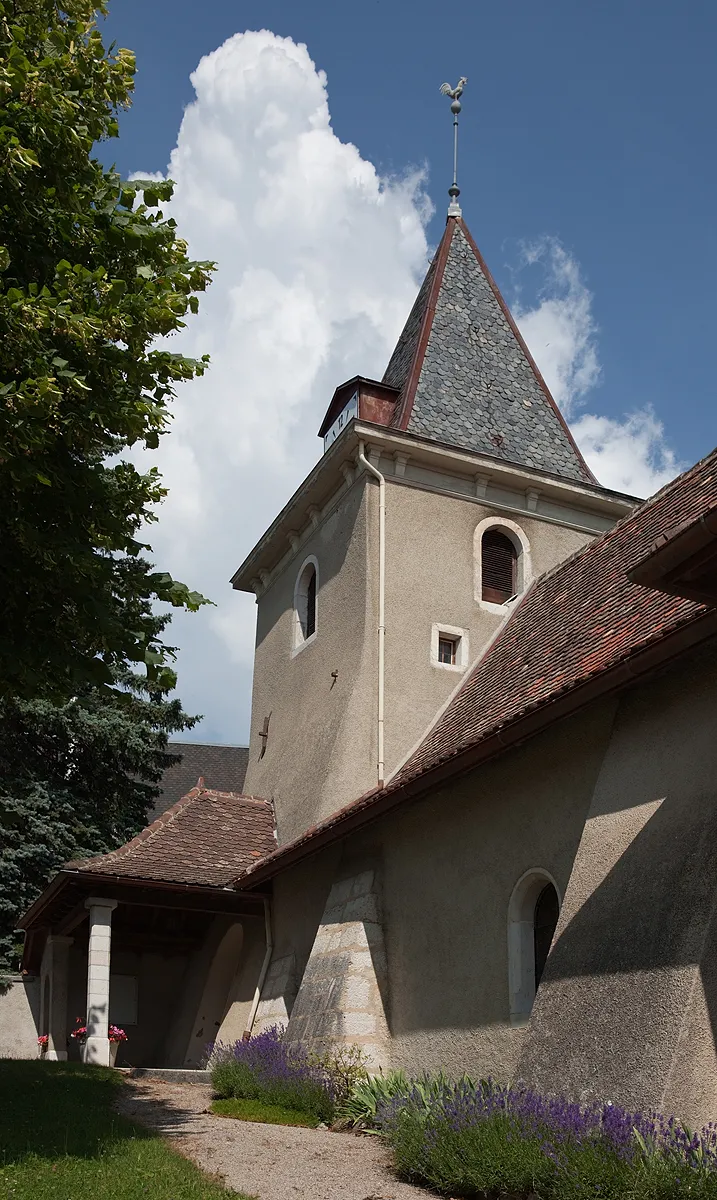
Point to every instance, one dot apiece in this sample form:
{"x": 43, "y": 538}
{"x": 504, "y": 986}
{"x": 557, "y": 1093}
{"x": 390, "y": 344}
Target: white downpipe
{"x": 262, "y": 974}
{"x": 381, "y": 600}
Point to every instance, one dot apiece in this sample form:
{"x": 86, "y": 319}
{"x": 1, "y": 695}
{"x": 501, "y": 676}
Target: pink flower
{"x": 43, "y": 1040}
{"x": 115, "y": 1034}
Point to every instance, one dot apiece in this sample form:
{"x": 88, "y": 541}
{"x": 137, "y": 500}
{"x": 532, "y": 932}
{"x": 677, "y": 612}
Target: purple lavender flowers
{"x": 487, "y": 1140}
{"x": 268, "y": 1068}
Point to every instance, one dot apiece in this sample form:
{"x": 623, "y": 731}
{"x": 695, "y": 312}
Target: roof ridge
{"x": 404, "y": 408}
{"x": 150, "y": 830}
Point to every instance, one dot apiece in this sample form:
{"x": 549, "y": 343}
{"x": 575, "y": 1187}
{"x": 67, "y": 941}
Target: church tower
{"x": 444, "y": 489}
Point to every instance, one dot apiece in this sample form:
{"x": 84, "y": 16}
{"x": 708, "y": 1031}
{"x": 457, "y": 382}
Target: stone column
{"x": 57, "y": 1026}
{"x": 53, "y": 973}
{"x": 97, "y": 1046}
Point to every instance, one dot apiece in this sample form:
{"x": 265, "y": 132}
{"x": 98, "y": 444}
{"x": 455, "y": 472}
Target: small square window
{"x": 447, "y": 650}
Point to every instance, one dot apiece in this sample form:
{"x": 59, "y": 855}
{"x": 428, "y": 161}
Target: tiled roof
{"x": 223, "y": 769}
{"x": 577, "y": 621}
{"x": 207, "y": 838}
{"x": 466, "y": 376}
{"x": 573, "y": 626}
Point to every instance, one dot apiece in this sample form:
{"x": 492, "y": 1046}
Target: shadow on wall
{"x": 628, "y": 1003}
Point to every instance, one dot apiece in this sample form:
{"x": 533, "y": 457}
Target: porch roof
{"x": 206, "y": 838}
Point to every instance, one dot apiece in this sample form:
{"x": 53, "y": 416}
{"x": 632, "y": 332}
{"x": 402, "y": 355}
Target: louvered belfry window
{"x": 499, "y": 562}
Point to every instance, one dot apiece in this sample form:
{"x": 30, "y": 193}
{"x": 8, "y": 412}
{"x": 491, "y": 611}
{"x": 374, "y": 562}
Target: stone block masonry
{"x": 278, "y": 993}
{"x": 341, "y": 998}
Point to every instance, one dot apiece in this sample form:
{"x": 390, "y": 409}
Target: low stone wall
{"x": 19, "y": 1016}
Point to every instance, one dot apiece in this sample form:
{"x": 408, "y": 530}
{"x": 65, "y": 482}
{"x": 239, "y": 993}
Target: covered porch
{"x": 175, "y": 962}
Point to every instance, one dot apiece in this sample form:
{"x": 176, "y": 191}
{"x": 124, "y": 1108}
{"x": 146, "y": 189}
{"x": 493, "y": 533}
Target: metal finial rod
{"x": 454, "y": 208}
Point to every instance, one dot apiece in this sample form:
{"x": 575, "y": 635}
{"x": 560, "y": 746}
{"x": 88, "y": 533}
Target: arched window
{"x": 501, "y": 562}
{"x": 532, "y": 918}
{"x": 499, "y": 559}
{"x": 547, "y": 911}
{"x": 305, "y": 603}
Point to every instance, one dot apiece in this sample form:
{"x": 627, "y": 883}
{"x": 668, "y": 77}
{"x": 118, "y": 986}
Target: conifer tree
{"x": 76, "y": 779}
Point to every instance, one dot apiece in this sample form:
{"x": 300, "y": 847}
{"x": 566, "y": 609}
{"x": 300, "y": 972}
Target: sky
{"x": 312, "y": 154}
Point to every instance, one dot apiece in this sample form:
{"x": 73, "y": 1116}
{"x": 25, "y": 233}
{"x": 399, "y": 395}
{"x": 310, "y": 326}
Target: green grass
{"x": 259, "y": 1110}
{"x": 60, "y": 1139}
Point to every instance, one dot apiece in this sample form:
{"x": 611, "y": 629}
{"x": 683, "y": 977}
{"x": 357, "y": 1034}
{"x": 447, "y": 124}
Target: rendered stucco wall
{"x": 321, "y": 750}
{"x": 430, "y": 580}
{"x": 321, "y": 732}
{"x": 628, "y": 1005}
{"x": 448, "y": 866}
{"x": 19, "y": 1017}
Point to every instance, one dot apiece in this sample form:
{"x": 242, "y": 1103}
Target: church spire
{"x": 466, "y": 377}
{"x": 454, "y": 208}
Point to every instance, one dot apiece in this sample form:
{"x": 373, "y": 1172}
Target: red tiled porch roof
{"x": 207, "y": 838}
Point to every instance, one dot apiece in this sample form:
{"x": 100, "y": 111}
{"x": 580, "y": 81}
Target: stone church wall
{"x": 321, "y": 750}
{"x": 321, "y": 729}
{"x": 19, "y": 1016}
{"x": 435, "y": 882}
{"x": 628, "y": 1005}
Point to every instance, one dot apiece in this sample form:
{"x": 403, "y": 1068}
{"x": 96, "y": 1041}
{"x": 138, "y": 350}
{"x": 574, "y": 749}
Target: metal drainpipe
{"x": 262, "y": 974}
{"x": 381, "y": 600}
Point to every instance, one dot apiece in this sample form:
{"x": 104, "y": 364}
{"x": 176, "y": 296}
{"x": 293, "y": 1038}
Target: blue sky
{"x": 594, "y": 123}
{"x": 588, "y": 179}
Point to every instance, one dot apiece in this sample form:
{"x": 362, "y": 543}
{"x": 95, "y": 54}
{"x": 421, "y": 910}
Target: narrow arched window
{"x": 305, "y": 603}
{"x": 311, "y": 605}
{"x": 545, "y": 919}
{"x": 499, "y": 561}
{"x": 532, "y": 920}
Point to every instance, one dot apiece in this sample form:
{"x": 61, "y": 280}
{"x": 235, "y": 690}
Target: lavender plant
{"x": 269, "y": 1068}
{"x": 467, "y": 1139}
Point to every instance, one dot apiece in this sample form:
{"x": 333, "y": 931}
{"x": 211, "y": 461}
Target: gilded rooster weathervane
{"x": 454, "y": 208}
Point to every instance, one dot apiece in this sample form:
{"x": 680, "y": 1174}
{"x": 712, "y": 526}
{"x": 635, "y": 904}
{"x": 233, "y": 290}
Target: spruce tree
{"x": 76, "y": 779}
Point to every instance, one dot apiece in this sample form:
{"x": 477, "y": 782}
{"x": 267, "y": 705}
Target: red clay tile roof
{"x": 574, "y": 624}
{"x": 207, "y": 838}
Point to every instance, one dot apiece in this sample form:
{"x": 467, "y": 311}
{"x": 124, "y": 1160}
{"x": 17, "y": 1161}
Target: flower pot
{"x": 114, "y": 1047}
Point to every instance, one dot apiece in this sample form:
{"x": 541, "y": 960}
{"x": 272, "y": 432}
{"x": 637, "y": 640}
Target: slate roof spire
{"x": 465, "y": 375}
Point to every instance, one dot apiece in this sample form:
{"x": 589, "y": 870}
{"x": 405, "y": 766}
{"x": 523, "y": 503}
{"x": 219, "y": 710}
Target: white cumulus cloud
{"x": 630, "y": 455}
{"x": 318, "y": 263}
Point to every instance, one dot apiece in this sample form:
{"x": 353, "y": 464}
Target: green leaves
{"x": 91, "y": 276}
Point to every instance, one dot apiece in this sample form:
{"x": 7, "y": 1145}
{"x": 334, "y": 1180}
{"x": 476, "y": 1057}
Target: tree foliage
{"x": 92, "y": 274}
{"x": 76, "y": 779}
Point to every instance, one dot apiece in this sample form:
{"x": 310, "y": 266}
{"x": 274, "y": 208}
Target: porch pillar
{"x": 97, "y": 1046}
{"x": 53, "y": 973}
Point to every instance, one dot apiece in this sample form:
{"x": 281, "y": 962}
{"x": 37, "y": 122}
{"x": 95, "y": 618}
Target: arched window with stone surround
{"x": 501, "y": 562}
{"x": 532, "y": 918}
{"x": 305, "y": 603}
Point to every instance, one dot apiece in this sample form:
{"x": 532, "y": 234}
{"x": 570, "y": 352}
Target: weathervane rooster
{"x": 456, "y": 92}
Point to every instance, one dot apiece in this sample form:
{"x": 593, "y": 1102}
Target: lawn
{"x": 60, "y": 1139}
{"x": 259, "y": 1110}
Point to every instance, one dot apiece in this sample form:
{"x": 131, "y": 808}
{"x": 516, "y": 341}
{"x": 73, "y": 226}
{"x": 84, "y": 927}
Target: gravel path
{"x": 269, "y": 1162}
